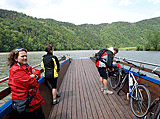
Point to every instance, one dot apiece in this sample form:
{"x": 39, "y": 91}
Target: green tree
{"x": 139, "y": 48}
{"x": 20, "y": 30}
{"x": 153, "y": 40}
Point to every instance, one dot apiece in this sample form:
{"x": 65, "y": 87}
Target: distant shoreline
{"x": 120, "y": 49}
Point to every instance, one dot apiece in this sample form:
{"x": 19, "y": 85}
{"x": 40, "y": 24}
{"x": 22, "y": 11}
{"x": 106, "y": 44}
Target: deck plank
{"x": 69, "y": 106}
{"x": 89, "y": 92}
{"x": 81, "y": 97}
{"x": 65, "y": 101}
{"x": 77, "y": 88}
{"x": 82, "y": 93}
{"x": 85, "y": 91}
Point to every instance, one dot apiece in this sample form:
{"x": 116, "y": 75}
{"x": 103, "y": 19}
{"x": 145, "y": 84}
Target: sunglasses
{"x": 20, "y": 49}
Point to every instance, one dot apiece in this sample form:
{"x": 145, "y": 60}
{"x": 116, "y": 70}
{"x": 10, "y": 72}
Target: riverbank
{"x": 120, "y": 49}
{"x": 128, "y": 48}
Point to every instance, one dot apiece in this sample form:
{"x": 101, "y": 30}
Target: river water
{"x": 34, "y": 58}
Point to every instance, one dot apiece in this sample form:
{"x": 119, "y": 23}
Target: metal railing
{"x": 60, "y": 58}
{"x": 147, "y": 69}
{"x": 141, "y": 62}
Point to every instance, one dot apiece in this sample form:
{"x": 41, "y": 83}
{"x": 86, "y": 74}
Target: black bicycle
{"x": 154, "y": 109}
{"x": 140, "y": 96}
{"x": 116, "y": 75}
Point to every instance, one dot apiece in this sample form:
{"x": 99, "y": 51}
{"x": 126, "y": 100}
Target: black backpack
{"x": 99, "y": 54}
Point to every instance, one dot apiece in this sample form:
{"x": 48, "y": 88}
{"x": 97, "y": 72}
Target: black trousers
{"x": 36, "y": 114}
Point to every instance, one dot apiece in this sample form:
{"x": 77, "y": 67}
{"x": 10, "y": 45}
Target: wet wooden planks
{"x": 81, "y": 97}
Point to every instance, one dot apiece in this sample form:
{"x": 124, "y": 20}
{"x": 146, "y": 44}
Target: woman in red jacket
{"x": 23, "y": 82}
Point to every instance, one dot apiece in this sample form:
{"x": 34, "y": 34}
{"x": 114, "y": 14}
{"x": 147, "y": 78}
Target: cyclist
{"x": 50, "y": 65}
{"x": 104, "y": 63}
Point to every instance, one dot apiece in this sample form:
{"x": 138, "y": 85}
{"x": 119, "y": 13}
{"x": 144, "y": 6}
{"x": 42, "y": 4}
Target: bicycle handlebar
{"x": 132, "y": 64}
{"x": 154, "y": 71}
{"x": 140, "y": 74}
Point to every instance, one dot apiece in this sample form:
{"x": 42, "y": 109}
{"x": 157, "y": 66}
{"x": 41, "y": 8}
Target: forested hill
{"x": 20, "y": 30}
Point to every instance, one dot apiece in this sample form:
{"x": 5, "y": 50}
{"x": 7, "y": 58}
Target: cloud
{"x": 155, "y": 1}
{"x": 125, "y": 2}
{"x": 86, "y": 11}
{"x": 16, "y": 4}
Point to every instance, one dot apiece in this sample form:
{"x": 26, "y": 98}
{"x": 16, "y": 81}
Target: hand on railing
{"x": 62, "y": 58}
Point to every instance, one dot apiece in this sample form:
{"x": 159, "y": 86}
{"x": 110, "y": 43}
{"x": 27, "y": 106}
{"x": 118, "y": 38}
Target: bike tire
{"x": 115, "y": 80}
{"x": 157, "y": 113}
{"x": 152, "y": 109}
{"x": 122, "y": 84}
{"x": 141, "y": 105}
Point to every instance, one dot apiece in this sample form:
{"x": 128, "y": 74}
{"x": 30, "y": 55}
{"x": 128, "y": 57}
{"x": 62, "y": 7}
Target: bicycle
{"x": 140, "y": 96}
{"x": 154, "y": 109}
{"x": 116, "y": 76}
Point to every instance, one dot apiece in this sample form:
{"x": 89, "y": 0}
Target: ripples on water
{"x": 145, "y": 56}
{"x": 34, "y": 58}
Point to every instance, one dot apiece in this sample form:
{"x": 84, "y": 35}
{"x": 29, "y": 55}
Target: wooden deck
{"x": 81, "y": 97}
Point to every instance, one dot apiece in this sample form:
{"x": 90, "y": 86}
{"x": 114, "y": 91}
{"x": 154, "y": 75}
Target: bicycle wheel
{"x": 157, "y": 113}
{"x": 158, "y": 117}
{"x": 141, "y": 103}
{"x": 152, "y": 109}
{"x": 122, "y": 84}
{"x": 115, "y": 80}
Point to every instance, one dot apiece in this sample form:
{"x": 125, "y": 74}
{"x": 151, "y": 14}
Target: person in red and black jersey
{"x": 104, "y": 63}
{"x": 50, "y": 65}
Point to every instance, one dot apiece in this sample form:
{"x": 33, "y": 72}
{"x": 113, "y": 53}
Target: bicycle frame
{"x": 133, "y": 87}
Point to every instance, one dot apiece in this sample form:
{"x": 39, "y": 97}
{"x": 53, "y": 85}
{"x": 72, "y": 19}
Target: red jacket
{"x": 21, "y": 82}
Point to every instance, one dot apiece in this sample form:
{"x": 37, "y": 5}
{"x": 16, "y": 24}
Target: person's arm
{"x": 42, "y": 64}
{"x": 36, "y": 73}
{"x": 109, "y": 60}
{"x": 57, "y": 62}
{"x": 24, "y": 80}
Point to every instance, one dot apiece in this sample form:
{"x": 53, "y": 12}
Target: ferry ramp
{"x": 81, "y": 97}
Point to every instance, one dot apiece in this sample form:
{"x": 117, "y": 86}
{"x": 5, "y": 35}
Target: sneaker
{"x": 58, "y": 95}
{"x": 107, "y": 92}
{"x": 102, "y": 89}
{"x": 55, "y": 102}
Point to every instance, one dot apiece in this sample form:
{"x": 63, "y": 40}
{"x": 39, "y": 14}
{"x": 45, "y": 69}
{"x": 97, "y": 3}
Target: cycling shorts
{"x": 102, "y": 72}
{"x": 53, "y": 82}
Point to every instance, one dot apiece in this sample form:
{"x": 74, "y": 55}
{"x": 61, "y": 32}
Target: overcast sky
{"x": 86, "y": 11}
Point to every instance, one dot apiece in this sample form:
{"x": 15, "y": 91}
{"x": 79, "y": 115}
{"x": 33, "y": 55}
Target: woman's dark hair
{"x": 14, "y": 55}
{"x": 49, "y": 48}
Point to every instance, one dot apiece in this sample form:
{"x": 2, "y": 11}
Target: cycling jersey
{"x": 50, "y": 65}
